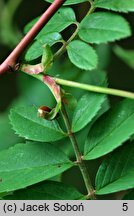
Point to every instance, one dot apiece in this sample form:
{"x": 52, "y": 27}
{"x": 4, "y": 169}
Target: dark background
{"x": 120, "y": 76}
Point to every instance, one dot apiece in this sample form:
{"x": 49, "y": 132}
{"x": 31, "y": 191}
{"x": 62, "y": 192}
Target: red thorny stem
{"x": 12, "y": 59}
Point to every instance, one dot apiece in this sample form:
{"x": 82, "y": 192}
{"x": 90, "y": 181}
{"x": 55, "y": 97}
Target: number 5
{"x": 125, "y": 207}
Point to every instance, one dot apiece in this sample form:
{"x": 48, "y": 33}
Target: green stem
{"x": 97, "y": 89}
{"x": 75, "y": 32}
{"x": 87, "y": 87}
{"x": 90, "y": 1}
{"x": 92, "y": 8}
{"x": 63, "y": 48}
{"x": 80, "y": 162}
